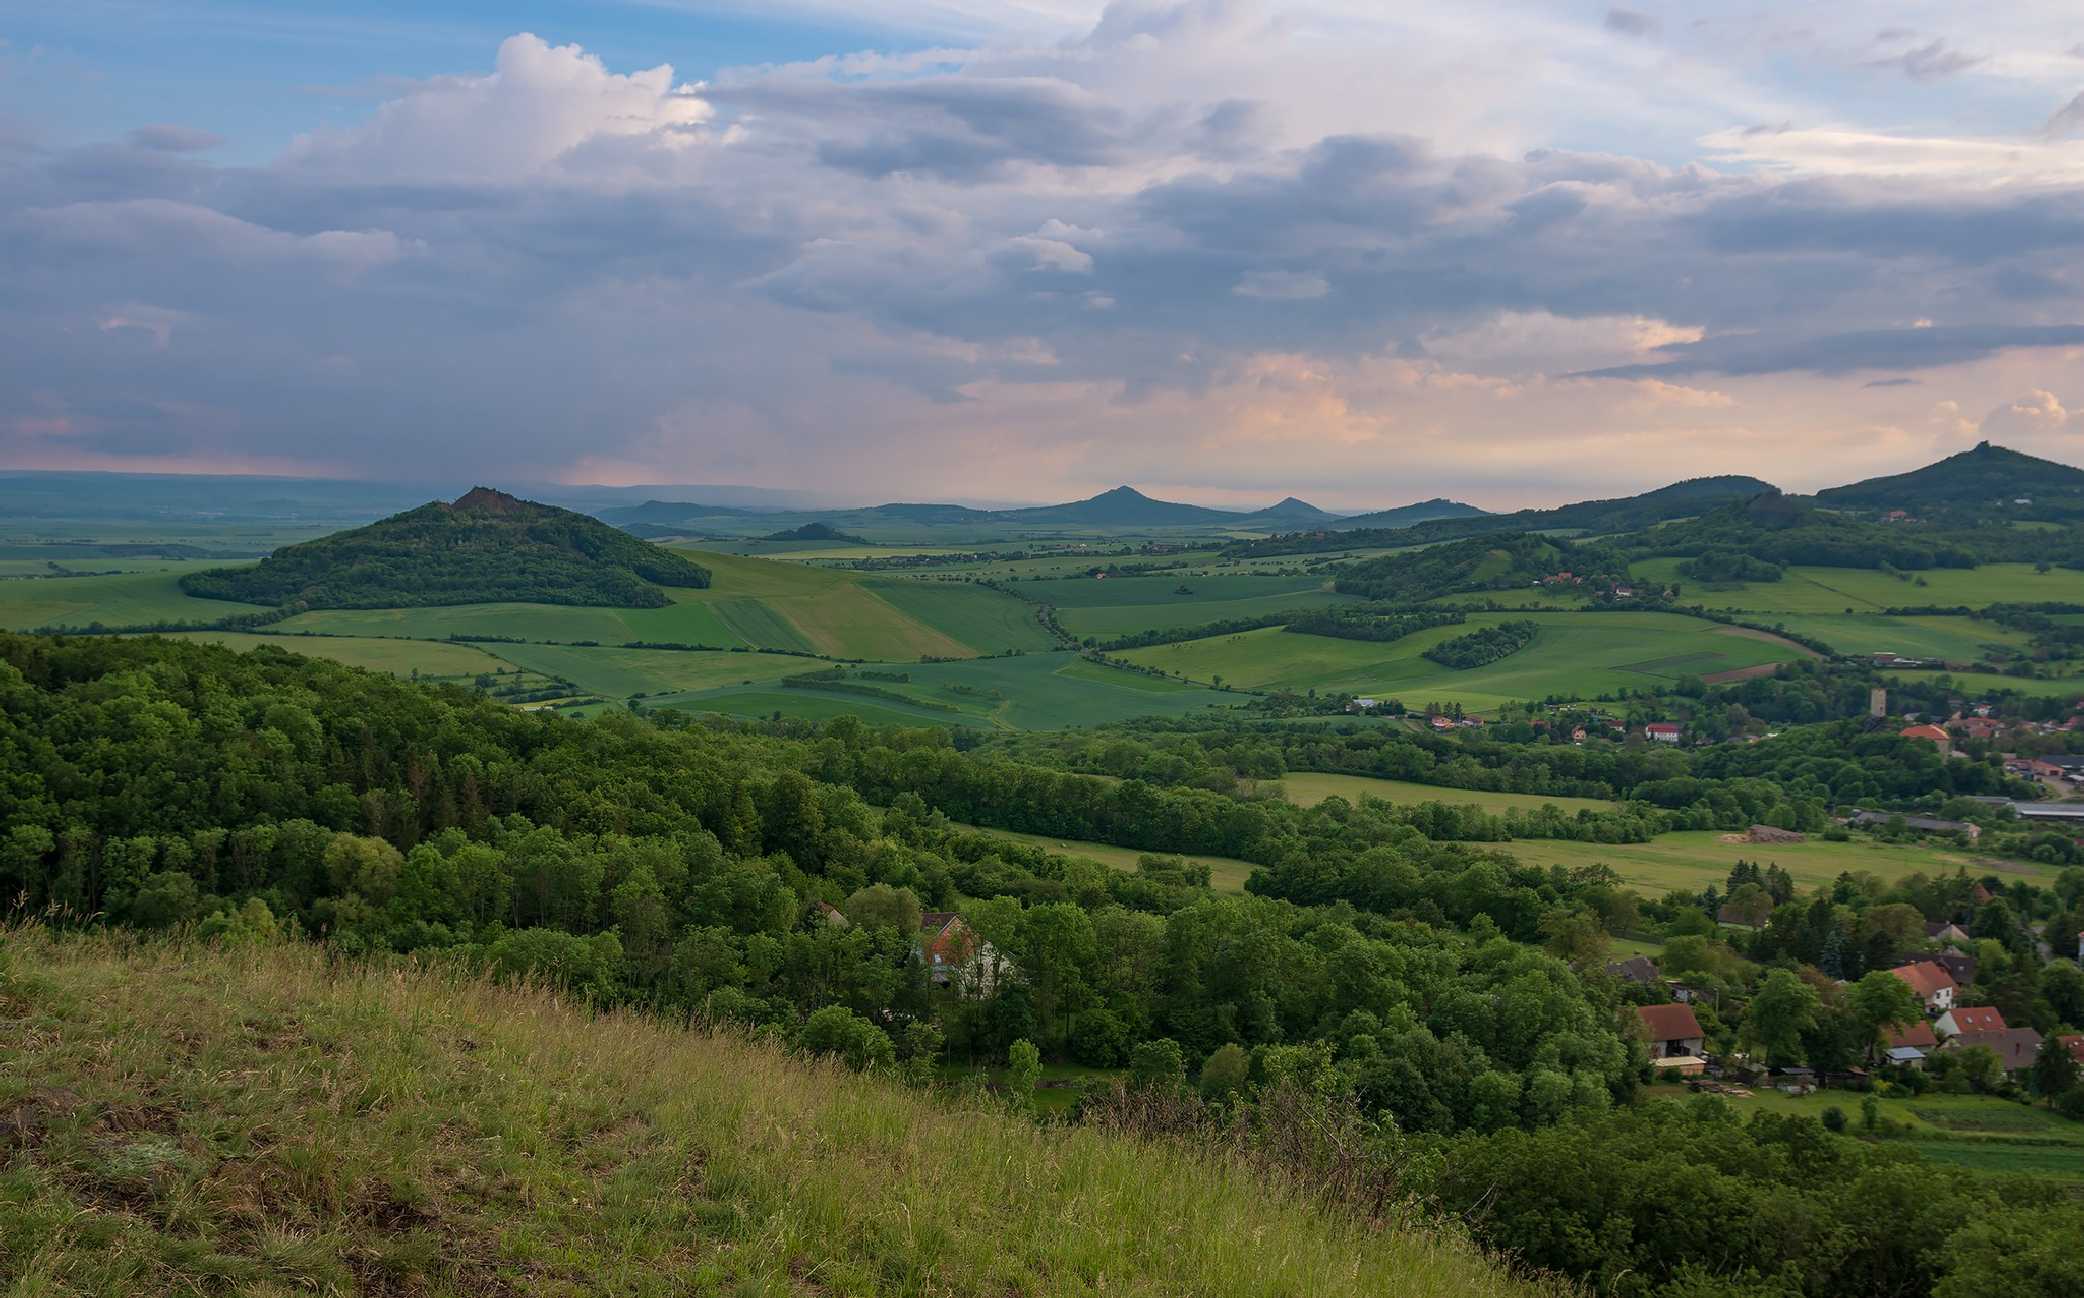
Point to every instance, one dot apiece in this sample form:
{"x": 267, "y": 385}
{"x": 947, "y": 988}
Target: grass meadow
{"x": 125, "y": 599}
{"x": 1573, "y": 654}
{"x": 266, "y": 1121}
{"x": 1225, "y": 874}
{"x": 755, "y": 603}
{"x": 1982, "y": 1132}
{"x": 1864, "y": 590}
{"x": 1695, "y": 858}
{"x": 398, "y": 657}
{"x": 1308, "y": 788}
{"x": 1041, "y": 691}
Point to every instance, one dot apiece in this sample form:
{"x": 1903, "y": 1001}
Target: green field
{"x": 1978, "y": 682}
{"x": 1693, "y": 859}
{"x": 987, "y": 620}
{"x": 1981, "y": 1132}
{"x": 126, "y": 599}
{"x": 1128, "y": 619}
{"x": 806, "y": 705}
{"x": 1024, "y": 692}
{"x": 757, "y": 603}
{"x": 1575, "y": 654}
{"x": 1309, "y": 788}
{"x": 1948, "y": 639}
{"x": 1225, "y": 874}
{"x": 619, "y": 673}
{"x": 1834, "y": 590}
{"x": 398, "y": 657}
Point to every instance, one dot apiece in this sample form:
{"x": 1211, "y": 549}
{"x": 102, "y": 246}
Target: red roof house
{"x": 1671, "y": 1030}
{"x": 1931, "y": 735}
{"x": 1964, "y": 1019}
{"x": 1933, "y": 984}
{"x": 1919, "y": 1035}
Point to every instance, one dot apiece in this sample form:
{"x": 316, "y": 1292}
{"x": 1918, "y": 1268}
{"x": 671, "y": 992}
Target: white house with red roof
{"x": 1934, "y": 985}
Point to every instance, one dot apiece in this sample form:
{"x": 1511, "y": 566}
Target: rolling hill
{"x": 1984, "y": 474}
{"x": 1289, "y": 513}
{"x": 1423, "y": 511}
{"x": 1121, "y": 507}
{"x": 484, "y": 547}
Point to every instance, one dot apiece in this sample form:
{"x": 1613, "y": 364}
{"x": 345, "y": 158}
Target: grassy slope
{"x": 1573, "y": 654}
{"x": 124, "y": 599}
{"x": 1696, "y": 858}
{"x": 619, "y": 673}
{"x": 987, "y": 620}
{"x": 1225, "y": 874}
{"x": 189, "y": 1122}
{"x": 758, "y": 603}
{"x": 1834, "y": 590}
{"x": 1309, "y": 788}
{"x": 1038, "y": 691}
{"x": 1949, "y": 639}
{"x": 2071, "y": 687}
{"x": 398, "y": 657}
{"x": 1981, "y": 1132}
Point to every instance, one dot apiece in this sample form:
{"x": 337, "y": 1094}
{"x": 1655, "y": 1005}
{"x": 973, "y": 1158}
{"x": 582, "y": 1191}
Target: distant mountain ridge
{"x": 483, "y": 547}
{"x": 1423, "y": 511}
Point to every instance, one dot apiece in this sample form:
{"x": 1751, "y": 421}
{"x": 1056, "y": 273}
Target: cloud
{"x": 538, "y": 112}
{"x": 1874, "y": 349}
{"x": 1897, "y": 382}
{"x": 1629, "y": 22}
{"x": 165, "y": 138}
{"x": 1281, "y": 285}
{"x": 2067, "y": 123}
{"x": 1027, "y": 263}
{"x": 2030, "y": 418}
{"x": 1935, "y": 60}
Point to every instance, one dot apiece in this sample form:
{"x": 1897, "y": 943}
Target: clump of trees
{"x": 1485, "y": 645}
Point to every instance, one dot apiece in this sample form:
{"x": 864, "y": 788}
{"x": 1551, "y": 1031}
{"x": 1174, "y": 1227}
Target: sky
{"x": 1509, "y": 251}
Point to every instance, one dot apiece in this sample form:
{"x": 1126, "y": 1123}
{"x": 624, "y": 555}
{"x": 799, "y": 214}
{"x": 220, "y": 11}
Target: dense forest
{"x": 1484, "y": 645}
{"x": 775, "y": 876}
{"x": 1502, "y": 562}
{"x": 484, "y": 547}
{"x": 1360, "y": 622}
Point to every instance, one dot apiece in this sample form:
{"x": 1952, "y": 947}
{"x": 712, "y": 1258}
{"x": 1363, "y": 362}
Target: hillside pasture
{"x": 1693, "y": 859}
{"x": 1974, "y": 683}
{"x": 1984, "y": 1133}
{"x": 1573, "y": 654}
{"x": 753, "y": 603}
{"x": 1226, "y": 874}
{"x": 123, "y": 599}
{"x": 430, "y": 658}
{"x": 1947, "y": 638}
{"x": 1308, "y": 788}
{"x": 1834, "y": 590}
{"x": 1023, "y": 692}
{"x": 620, "y": 673}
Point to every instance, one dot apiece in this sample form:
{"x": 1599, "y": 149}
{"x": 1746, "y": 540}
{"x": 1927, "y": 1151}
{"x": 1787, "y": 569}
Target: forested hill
{"x": 1983, "y": 475}
{"x": 1480, "y": 563}
{"x": 484, "y": 547}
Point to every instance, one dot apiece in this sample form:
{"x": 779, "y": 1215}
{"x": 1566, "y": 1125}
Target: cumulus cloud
{"x": 538, "y": 111}
{"x": 1185, "y": 235}
{"x": 2029, "y": 418}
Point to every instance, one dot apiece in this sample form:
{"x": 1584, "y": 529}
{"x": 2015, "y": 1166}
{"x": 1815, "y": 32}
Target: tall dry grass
{"x": 175, "y": 1119}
